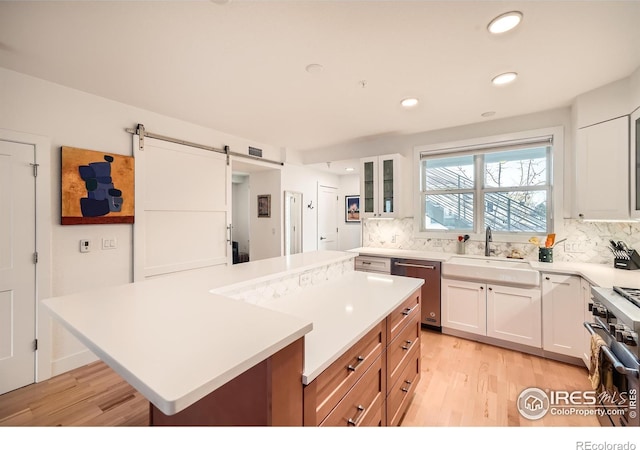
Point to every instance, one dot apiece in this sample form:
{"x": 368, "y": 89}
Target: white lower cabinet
{"x": 464, "y": 306}
{"x": 514, "y": 315}
{"x": 502, "y": 312}
{"x": 562, "y": 314}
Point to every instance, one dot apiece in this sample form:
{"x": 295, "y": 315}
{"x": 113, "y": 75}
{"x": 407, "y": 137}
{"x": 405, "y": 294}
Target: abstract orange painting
{"x": 97, "y": 187}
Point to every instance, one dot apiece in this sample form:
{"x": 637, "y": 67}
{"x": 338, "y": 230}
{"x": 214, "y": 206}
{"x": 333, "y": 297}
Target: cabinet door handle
{"x": 419, "y": 266}
{"x": 482, "y": 288}
{"x": 352, "y": 368}
{"x": 491, "y": 289}
{"x": 406, "y": 347}
{"x": 361, "y": 409}
{"x": 230, "y": 237}
{"x": 547, "y": 278}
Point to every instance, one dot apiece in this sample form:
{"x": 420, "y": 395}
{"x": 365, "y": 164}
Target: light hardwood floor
{"x": 466, "y": 383}
{"x": 463, "y": 383}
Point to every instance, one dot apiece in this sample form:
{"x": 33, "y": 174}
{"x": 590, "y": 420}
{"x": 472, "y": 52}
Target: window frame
{"x": 554, "y": 188}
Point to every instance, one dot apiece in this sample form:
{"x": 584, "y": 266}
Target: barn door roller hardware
{"x": 142, "y": 133}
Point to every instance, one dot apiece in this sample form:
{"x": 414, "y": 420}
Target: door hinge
{"x": 35, "y": 345}
{"x": 35, "y": 257}
{"x": 35, "y": 169}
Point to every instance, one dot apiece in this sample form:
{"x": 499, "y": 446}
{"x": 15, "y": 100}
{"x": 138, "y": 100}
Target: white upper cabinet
{"x": 602, "y": 174}
{"x": 635, "y": 163}
{"x": 380, "y": 186}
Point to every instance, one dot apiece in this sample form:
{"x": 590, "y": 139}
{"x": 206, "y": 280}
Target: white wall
{"x": 74, "y": 118}
{"x": 634, "y": 87}
{"x": 265, "y": 232}
{"x": 604, "y": 103}
{"x": 304, "y": 179}
{"x": 349, "y": 233}
{"x": 404, "y": 145}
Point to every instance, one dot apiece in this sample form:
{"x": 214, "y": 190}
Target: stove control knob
{"x": 613, "y": 328}
{"x": 631, "y": 339}
{"x": 590, "y": 307}
{"x": 620, "y": 335}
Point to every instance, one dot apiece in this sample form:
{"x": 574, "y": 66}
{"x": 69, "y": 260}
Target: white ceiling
{"x": 240, "y": 67}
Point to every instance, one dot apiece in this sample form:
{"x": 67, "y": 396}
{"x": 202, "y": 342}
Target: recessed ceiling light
{"x": 409, "y": 102}
{"x": 505, "y": 22}
{"x": 488, "y": 114}
{"x": 504, "y": 78}
{"x": 314, "y": 68}
{"x": 349, "y": 169}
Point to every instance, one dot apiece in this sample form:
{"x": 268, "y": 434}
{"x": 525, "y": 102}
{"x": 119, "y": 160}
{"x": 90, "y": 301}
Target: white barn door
{"x": 17, "y": 265}
{"x": 182, "y": 208}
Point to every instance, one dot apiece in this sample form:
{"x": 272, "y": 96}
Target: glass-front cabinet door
{"x": 368, "y": 187}
{"x": 379, "y": 186}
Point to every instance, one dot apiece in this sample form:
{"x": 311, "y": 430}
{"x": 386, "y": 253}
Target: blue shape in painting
{"x": 102, "y": 196}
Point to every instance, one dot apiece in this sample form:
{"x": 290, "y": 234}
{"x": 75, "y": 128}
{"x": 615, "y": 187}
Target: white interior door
{"x": 327, "y": 218}
{"x": 182, "y": 209}
{"x": 17, "y": 268}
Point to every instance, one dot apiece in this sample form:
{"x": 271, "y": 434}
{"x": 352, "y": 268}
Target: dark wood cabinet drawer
{"x": 363, "y": 404}
{"x": 401, "y": 392}
{"x": 402, "y": 315}
{"x": 326, "y": 391}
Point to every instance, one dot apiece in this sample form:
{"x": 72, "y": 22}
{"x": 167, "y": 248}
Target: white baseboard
{"x": 71, "y": 362}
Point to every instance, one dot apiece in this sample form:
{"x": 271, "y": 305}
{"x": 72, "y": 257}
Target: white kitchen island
{"x": 205, "y": 358}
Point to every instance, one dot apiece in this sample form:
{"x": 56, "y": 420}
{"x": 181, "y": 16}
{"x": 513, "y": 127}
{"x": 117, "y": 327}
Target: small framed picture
{"x": 264, "y": 205}
{"x": 352, "y": 208}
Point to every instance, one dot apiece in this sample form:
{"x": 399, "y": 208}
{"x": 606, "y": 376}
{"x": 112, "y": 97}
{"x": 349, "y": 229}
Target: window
{"x": 505, "y": 186}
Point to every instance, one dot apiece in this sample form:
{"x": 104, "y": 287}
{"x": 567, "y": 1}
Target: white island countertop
{"x": 175, "y": 340}
{"x": 342, "y": 312}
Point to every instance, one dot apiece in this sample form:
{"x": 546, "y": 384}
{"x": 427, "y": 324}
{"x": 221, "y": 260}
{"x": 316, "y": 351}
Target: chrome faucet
{"x": 488, "y": 238}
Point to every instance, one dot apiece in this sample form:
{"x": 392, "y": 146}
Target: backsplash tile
{"x": 592, "y": 237}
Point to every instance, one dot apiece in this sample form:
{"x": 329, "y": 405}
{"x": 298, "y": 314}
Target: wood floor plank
{"x": 463, "y": 383}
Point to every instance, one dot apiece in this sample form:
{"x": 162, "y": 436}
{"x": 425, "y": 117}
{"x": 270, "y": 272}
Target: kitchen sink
{"x": 491, "y": 270}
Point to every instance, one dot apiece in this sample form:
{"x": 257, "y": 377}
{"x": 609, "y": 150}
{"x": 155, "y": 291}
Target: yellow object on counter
{"x": 535, "y": 241}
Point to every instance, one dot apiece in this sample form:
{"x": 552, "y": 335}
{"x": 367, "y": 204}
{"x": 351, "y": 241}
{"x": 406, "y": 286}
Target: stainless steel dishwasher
{"x": 429, "y": 271}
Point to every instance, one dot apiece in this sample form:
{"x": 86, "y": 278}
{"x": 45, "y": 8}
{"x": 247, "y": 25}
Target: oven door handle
{"x": 621, "y": 368}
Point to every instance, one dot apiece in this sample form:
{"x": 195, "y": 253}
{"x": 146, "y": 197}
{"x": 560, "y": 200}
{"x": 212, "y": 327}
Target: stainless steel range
{"x": 616, "y": 314}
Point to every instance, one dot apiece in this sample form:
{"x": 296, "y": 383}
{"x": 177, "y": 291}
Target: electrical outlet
{"x": 574, "y": 247}
{"x": 305, "y": 279}
{"x": 393, "y": 239}
{"x": 436, "y": 243}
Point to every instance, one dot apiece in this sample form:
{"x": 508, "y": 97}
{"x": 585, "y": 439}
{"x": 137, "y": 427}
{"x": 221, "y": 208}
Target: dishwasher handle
{"x": 417, "y": 266}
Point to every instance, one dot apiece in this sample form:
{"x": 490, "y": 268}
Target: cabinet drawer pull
{"x": 405, "y": 390}
{"x": 406, "y": 347}
{"x": 353, "y": 422}
{"x": 354, "y": 367}
{"x": 408, "y": 311}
